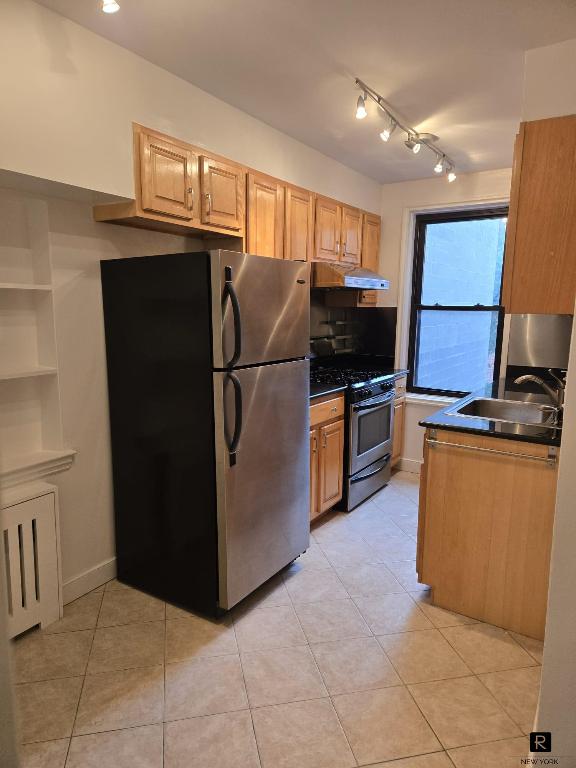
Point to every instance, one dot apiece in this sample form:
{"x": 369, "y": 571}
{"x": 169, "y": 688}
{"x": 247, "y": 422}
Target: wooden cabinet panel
{"x": 371, "y": 242}
{"x": 299, "y": 224}
{"x": 540, "y": 265}
{"x": 485, "y": 529}
{"x": 327, "y": 230}
{"x": 398, "y": 436}
{"x": 326, "y": 410}
{"x": 330, "y": 472}
{"x": 351, "y": 237}
{"x": 168, "y": 177}
{"x": 222, "y": 187}
{"x": 314, "y": 512}
{"x": 265, "y": 216}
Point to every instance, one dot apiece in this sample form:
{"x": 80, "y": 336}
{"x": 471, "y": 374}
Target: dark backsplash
{"x": 369, "y": 330}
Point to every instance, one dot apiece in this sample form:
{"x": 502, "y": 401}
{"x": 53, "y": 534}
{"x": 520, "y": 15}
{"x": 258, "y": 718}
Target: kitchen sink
{"x": 508, "y": 410}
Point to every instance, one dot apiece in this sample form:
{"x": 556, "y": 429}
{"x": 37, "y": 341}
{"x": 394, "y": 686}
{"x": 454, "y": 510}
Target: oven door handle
{"x": 385, "y": 459}
{"x": 373, "y": 406}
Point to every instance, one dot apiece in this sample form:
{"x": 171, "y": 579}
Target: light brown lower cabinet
{"x": 313, "y": 474}
{"x": 326, "y": 453}
{"x": 398, "y": 436}
{"x": 485, "y": 527}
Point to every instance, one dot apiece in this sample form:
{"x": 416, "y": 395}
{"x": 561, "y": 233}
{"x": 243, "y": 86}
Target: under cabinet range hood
{"x": 339, "y": 275}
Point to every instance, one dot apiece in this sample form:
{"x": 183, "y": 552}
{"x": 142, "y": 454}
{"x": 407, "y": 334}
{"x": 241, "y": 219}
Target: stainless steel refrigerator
{"x": 208, "y": 390}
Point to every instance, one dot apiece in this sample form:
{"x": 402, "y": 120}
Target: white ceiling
{"x": 450, "y": 67}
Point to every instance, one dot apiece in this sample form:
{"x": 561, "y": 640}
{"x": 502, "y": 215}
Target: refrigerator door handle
{"x": 230, "y": 292}
{"x": 233, "y": 447}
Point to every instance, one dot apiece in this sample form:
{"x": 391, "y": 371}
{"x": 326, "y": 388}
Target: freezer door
{"x": 260, "y": 309}
{"x": 262, "y": 467}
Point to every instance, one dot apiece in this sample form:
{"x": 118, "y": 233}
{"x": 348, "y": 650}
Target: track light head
{"x": 110, "y": 6}
{"x": 361, "y": 107}
{"x": 450, "y": 174}
{"x": 413, "y": 143}
{"x": 439, "y": 167}
{"x": 388, "y": 130}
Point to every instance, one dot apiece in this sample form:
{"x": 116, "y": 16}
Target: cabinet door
{"x": 222, "y": 188}
{"x": 265, "y": 216}
{"x": 371, "y": 242}
{"x": 540, "y": 268}
{"x": 168, "y": 178}
{"x": 331, "y": 464}
{"x": 327, "y": 230}
{"x": 313, "y": 474}
{"x": 398, "y": 436}
{"x": 299, "y": 224}
{"x": 351, "y": 249}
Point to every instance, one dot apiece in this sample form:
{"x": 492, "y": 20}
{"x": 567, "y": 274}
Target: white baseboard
{"x": 410, "y": 465}
{"x": 89, "y": 580}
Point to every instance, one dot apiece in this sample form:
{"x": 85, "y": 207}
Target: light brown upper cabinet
{"x": 327, "y": 230}
{"x": 371, "y": 242}
{"x": 265, "y": 216}
{"x": 351, "y": 236}
{"x": 299, "y": 224}
{"x": 540, "y": 262}
{"x": 222, "y": 187}
{"x": 168, "y": 177}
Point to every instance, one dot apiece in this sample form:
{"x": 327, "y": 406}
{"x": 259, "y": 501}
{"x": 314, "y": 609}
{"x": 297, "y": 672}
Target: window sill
{"x": 440, "y": 400}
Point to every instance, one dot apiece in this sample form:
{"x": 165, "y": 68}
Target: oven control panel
{"x": 374, "y": 389}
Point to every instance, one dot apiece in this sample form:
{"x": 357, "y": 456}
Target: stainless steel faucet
{"x": 556, "y": 395}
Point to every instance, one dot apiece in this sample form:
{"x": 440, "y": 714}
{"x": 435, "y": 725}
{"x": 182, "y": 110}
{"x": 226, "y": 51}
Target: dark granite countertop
{"x": 529, "y": 433}
{"x": 317, "y": 390}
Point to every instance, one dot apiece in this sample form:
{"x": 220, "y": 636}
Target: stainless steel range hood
{"x": 339, "y": 275}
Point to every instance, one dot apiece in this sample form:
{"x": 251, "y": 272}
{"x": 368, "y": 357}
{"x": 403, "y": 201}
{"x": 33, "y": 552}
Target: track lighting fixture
{"x": 361, "y": 107}
{"x": 415, "y": 140}
{"x": 110, "y": 6}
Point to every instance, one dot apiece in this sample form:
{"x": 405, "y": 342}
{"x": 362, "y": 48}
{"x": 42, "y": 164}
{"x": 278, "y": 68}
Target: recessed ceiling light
{"x": 110, "y": 6}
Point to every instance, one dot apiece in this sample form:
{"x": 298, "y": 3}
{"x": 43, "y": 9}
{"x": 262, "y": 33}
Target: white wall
{"x": 400, "y": 203}
{"x": 549, "y": 77}
{"x": 67, "y": 114}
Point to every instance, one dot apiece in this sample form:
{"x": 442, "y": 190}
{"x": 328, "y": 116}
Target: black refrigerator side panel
{"x": 158, "y": 346}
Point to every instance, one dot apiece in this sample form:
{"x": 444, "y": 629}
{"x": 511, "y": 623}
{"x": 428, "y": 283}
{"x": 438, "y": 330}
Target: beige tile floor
{"x": 339, "y": 661}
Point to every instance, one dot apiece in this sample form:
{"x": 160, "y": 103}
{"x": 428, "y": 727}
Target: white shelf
{"x": 31, "y": 466}
{"x": 27, "y": 373}
{"x": 24, "y": 287}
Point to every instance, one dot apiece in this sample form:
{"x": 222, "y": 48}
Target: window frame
{"x": 422, "y": 220}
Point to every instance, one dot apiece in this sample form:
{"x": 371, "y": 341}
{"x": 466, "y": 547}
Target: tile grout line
{"x": 83, "y": 682}
{"x": 247, "y": 696}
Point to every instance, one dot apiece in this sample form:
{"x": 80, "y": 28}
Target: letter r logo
{"x": 541, "y": 741}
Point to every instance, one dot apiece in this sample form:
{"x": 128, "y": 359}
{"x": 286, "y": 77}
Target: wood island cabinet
{"x": 265, "y": 222}
{"x": 398, "y": 436}
{"x": 485, "y": 527}
{"x": 326, "y": 453}
{"x": 540, "y": 260}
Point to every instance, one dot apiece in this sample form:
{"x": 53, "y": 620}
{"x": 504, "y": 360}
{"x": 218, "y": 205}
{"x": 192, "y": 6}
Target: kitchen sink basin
{"x": 508, "y": 410}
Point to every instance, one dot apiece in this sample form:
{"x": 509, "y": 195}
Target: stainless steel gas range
{"x": 369, "y": 427}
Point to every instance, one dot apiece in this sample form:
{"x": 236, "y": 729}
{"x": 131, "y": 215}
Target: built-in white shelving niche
{"x": 31, "y": 440}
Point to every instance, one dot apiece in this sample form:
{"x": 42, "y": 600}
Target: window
{"x": 456, "y": 318}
